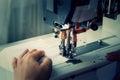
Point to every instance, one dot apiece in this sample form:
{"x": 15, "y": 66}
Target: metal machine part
{"x": 68, "y": 36}
{"x": 72, "y": 11}
{"x": 69, "y": 18}
{"x": 72, "y": 17}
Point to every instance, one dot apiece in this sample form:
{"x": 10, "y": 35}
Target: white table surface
{"x": 50, "y": 45}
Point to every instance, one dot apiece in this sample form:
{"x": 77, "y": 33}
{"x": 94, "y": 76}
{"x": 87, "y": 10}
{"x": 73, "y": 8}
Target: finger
{"x": 14, "y": 63}
{"x": 25, "y": 52}
{"x": 46, "y": 63}
{"x": 46, "y": 66}
{"x": 38, "y": 54}
{"x": 32, "y": 51}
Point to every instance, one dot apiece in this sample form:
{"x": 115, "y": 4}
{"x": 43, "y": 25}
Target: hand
{"x": 27, "y": 67}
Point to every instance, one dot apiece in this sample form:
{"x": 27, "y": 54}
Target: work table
{"x": 92, "y": 61}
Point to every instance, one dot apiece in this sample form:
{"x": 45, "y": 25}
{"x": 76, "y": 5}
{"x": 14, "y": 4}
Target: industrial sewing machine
{"x": 73, "y": 17}
{"x": 81, "y": 41}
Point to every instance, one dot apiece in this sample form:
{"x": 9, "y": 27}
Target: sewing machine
{"x": 73, "y": 17}
{"x": 79, "y": 45}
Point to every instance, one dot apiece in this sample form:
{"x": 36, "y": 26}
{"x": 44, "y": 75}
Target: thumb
{"x": 38, "y": 54}
{"x": 46, "y": 63}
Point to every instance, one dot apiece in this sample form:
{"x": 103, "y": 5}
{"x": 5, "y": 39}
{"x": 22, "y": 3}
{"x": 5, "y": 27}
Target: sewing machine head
{"x": 72, "y": 17}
